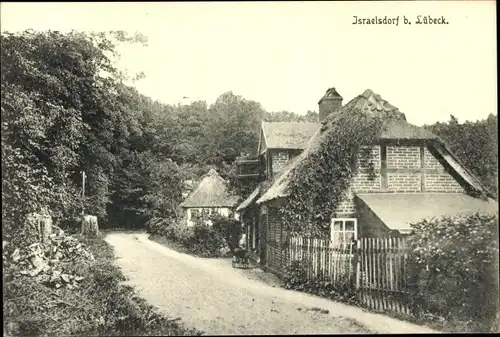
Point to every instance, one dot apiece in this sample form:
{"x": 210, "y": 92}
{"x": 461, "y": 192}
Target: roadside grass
{"x": 100, "y": 306}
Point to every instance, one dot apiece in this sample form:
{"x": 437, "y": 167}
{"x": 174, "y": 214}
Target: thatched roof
{"x": 288, "y": 135}
{"x": 211, "y": 192}
{"x": 395, "y": 127}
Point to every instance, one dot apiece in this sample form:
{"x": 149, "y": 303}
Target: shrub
{"x": 179, "y": 232}
{"x": 230, "y": 229}
{"x": 171, "y": 229}
{"x": 454, "y": 268}
{"x": 157, "y": 226}
{"x": 207, "y": 241}
{"x": 151, "y": 225}
{"x": 318, "y": 183}
{"x": 214, "y": 240}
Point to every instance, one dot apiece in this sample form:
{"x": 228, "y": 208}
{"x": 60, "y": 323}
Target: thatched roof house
{"x": 210, "y": 196}
{"x": 396, "y": 128}
{"x": 414, "y": 176}
{"x": 211, "y": 192}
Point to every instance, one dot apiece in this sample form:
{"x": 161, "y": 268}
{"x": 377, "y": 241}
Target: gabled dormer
{"x": 280, "y": 142}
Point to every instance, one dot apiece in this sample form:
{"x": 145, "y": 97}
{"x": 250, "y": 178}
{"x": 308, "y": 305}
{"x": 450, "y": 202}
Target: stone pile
{"x": 46, "y": 261}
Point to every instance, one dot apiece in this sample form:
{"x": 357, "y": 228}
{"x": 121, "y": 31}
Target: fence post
{"x": 358, "y": 263}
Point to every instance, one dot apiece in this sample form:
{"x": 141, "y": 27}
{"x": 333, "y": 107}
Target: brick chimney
{"x": 330, "y": 103}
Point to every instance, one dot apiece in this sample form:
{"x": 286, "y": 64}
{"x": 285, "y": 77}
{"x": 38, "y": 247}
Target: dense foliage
{"x": 476, "y": 144}
{"x": 456, "y": 269}
{"x": 66, "y": 109}
{"x": 320, "y": 181}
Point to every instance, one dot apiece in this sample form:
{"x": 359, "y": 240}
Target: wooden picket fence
{"x": 376, "y": 268}
{"x": 382, "y": 276}
{"x": 323, "y": 259}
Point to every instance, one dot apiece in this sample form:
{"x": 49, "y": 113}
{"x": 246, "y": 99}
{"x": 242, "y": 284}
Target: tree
{"x": 475, "y": 144}
{"x": 286, "y": 116}
{"x": 145, "y": 188}
{"x": 61, "y": 114}
{"x": 233, "y": 128}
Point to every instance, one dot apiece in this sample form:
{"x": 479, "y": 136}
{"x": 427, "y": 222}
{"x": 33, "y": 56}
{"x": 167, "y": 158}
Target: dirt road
{"x": 209, "y": 295}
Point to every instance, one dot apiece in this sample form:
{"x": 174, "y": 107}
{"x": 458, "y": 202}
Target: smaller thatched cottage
{"x": 211, "y": 196}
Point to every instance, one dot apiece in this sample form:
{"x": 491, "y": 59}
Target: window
{"x": 344, "y": 230}
{"x": 205, "y": 213}
{"x": 195, "y": 214}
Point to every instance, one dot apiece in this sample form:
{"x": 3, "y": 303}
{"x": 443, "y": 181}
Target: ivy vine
{"x": 320, "y": 181}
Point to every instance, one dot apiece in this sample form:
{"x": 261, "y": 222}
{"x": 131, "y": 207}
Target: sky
{"x": 285, "y": 55}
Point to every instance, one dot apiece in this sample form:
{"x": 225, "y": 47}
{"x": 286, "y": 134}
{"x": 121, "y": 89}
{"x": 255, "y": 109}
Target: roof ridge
{"x": 212, "y": 171}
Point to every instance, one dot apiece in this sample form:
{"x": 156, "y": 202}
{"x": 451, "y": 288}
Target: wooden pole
{"x": 83, "y": 194}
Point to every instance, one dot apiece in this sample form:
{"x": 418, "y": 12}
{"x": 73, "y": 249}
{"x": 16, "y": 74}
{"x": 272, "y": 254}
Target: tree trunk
{"x": 45, "y": 223}
{"x": 89, "y": 225}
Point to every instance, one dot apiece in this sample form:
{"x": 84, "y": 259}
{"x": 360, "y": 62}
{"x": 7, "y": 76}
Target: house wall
{"x": 220, "y": 210}
{"x": 437, "y": 179}
{"x": 280, "y": 158}
{"x": 408, "y": 169}
{"x": 276, "y": 160}
{"x": 403, "y": 157}
{"x": 362, "y": 182}
{"x": 408, "y": 158}
{"x": 404, "y": 175}
{"x": 250, "y": 219}
{"x": 276, "y": 236}
{"x": 365, "y": 181}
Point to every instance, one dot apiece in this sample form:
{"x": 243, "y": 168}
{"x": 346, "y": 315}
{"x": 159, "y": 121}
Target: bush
{"x": 179, "y": 232}
{"x": 454, "y": 269}
{"x": 171, "y": 229}
{"x": 230, "y": 229}
{"x": 207, "y": 241}
{"x": 201, "y": 239}
{"x": 157, "y": 226}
